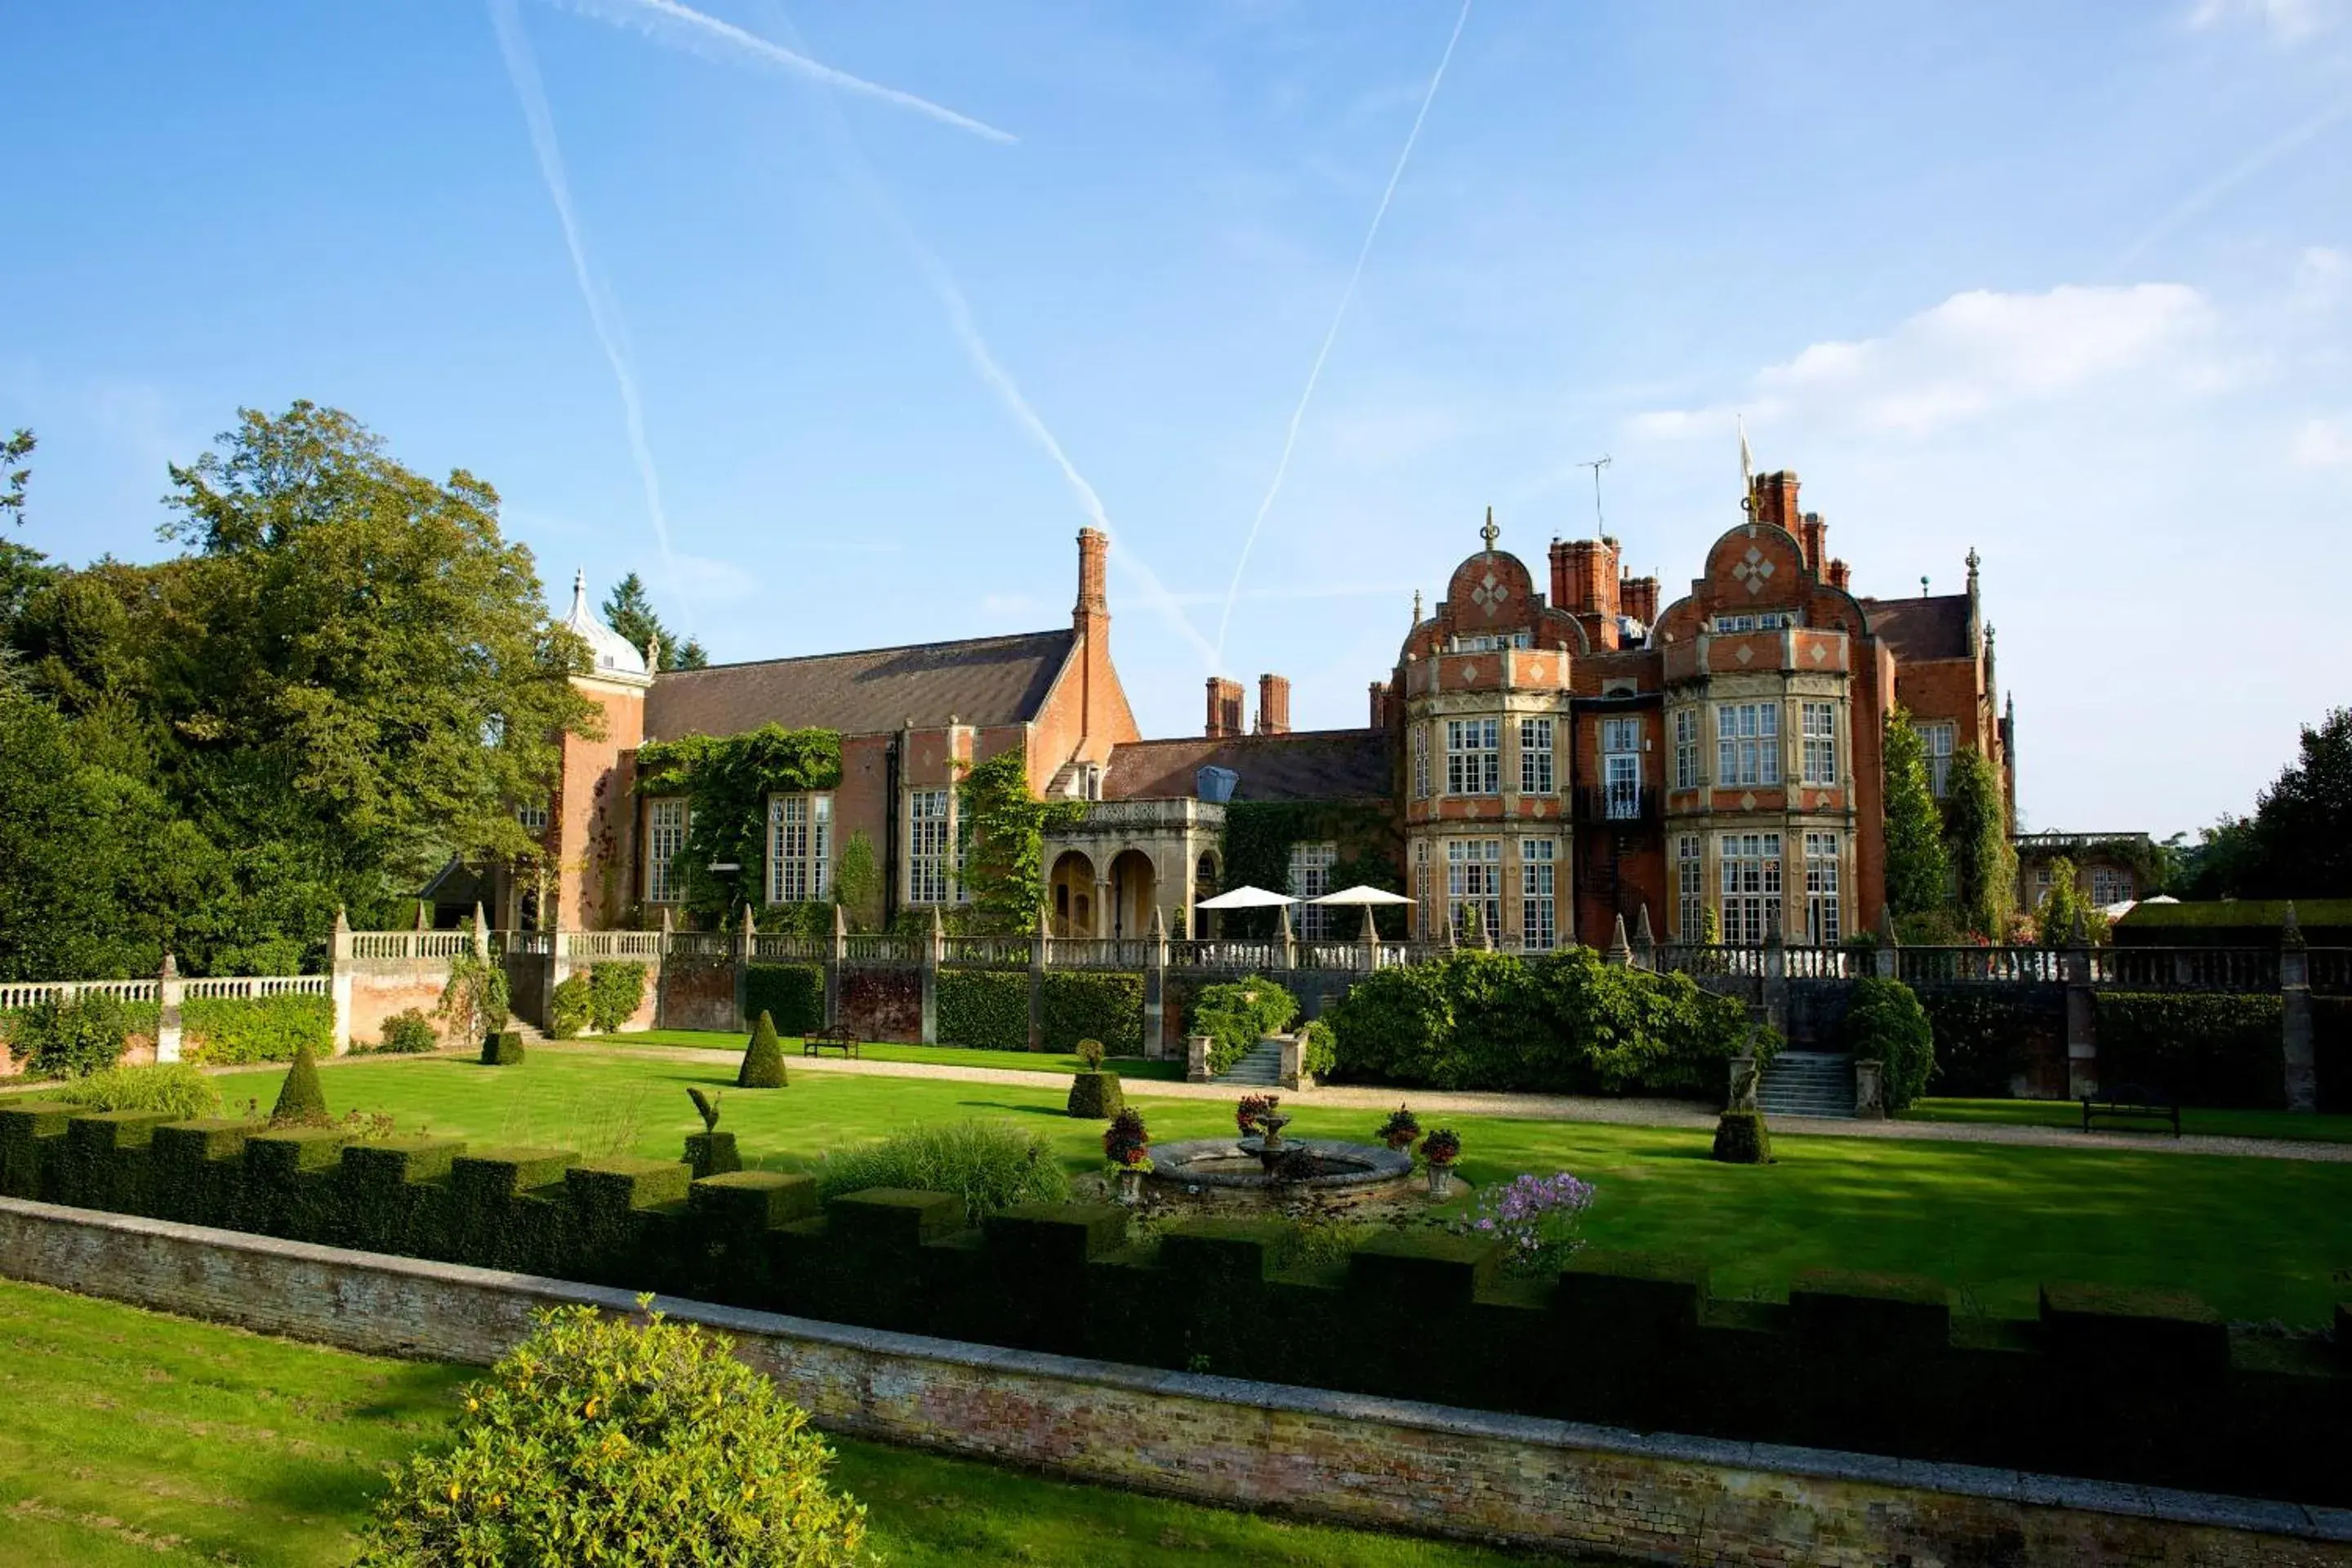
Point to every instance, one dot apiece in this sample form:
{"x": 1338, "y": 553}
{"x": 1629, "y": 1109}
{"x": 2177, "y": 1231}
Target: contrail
{"x": 671, "y": 22}
{"x": 522, "y": 68}
{"x": 950, "y": 297}
{"x": 2207, "y": 195}
{"x": 1290, "y": 440}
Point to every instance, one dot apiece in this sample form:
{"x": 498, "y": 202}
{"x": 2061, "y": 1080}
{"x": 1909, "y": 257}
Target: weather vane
{"x": 1490, "y": 532}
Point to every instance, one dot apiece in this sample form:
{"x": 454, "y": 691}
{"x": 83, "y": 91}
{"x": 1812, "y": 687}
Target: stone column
{"x": 1041, "y": 953}
{"x": 1776, "y": 980}
{"x": 2295, "y": 998}
{"x": 482, "y": 932}
{"x": 1371, "y": 939}
{"x": 1289, "y": 958}
{"x": 935, "y": 953}
{"x": 1887, "y": 961}
{"x": 837, "y": 953}
{"x": 743, "y": 949}
{"x": 1196, "y": 1059}
{"x": 167, "y": 1011}
{"x": 1103, "y": 912}
{"x": 2082, "y": 1017}
{"x": 1155, "y": 988}
{"x": 339, "y": 984}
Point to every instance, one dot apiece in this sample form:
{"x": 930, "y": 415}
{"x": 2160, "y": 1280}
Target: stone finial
{"x": 841, "y": 919}
{"x": 1448, "y": 937}
{"x": 2290, "y": 928}
{"x": 1282, "y": 917}
{"x": 751, "y": 926}
{"x": 2080, "y": 935}
{"x": 1159, "y": 925}
{"x": 1371, "y": 927}
{"x": 1490, "y": 532}
{"x": 342, "y": 920}
{"x": 939, "y": 926}
{"x": 1643, "y": 935}
{"x": 1886, "y": 936}
{"x": 1045, "y": 920}
{"x": 667, "y": 925}
{"x": 481, "y": 920}
{"x": 1773, "y": 937}
{"x": 653, "y": 652}
{"x": 1620, "y": 951}
{"x": 171, "y": 968}
{"x": 1416, "y": 606}
{"x": 422, "y": 924}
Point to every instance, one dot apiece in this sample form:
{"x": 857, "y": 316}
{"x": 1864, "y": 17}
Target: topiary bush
{"x": 988, "y": 1009}
{"x": 175, "y": 1086}
{"x": 1742, "y": 1139}
{"x": 598, "y": 1441}
{"x": 301, "y": 1101}
{"x": 1078, "y": 1004}
{"x": 1097, "y": 1095}
{"x": 763, "y": 1059}
{"x": 408, "y": 1034}
{"x": 1885, "y": 1024}
{"x": 502, "y": 1049}
{"x": 992, "y": 1165}
{"x": 1237, "y": 1014}
{"x": 791, "y": 994}
{"x": 571, "y": 1007}
{"x": 615, "y": 992}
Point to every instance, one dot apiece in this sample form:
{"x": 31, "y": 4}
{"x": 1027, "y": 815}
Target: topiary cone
{"x": 763, "y": 1059}
{"x": 301, "y": 1099}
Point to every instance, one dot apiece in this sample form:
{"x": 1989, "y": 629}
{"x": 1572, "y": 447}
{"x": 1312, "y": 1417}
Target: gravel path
{"x": 1543, "y": 1107}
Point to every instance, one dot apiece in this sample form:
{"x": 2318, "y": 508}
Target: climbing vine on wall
{"x": 1001, "y": 829}
{"x": 1260, "y": 835}
{"x": 726, "y": 780}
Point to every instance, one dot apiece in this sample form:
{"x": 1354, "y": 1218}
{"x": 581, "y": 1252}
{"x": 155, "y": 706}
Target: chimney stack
{"x": 1273, "y": 705}
{"x": 1815, "y": 537}
{"x": 1638, "y": 597}
{"x": 1841, "y": 574}
{"x": 1094, "y": 556}
{"x": 1379, "y": 719}
{"x": 1584, "y": 577}
{"x": 1225, "y": 707}
{"x": 1776, "y": 501}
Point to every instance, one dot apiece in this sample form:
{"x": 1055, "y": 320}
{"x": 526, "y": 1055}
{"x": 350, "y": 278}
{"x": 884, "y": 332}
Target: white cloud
{"x": 2322, "y": 277}
{"x": 1976, "y": 354}
{"x": 2323, "y": 443}
{"x": 2287, "y": 21}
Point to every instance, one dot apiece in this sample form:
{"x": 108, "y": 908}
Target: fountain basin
{"x": 1223, "y": 1172}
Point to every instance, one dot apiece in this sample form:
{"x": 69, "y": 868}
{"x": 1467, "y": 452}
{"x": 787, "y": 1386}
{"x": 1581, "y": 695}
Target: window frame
{"x": 1479, "y": 861}
{"x": 1747, "y": 745}
{"x": 928, "y": 846}
{"x": 1537, "y": 773}
{"x": 1538, "y": 894}
{"x": 660, "y": 830}
{"x": 1479, "y": 762}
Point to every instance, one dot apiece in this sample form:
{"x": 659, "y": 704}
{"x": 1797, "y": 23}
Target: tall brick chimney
{"x": 1638, "y": 597}
{"x": 1816, "y": 538}
{"x": 1274, "y": 705}
{"x": 1378, "y": 718}
{"x": 1098, "y": 699}
{"x": 1584, "y": 577}
{"x": 1225, "y": 707}
{"x": 1776, "y": 501}
{"x": 1841, "y": 574}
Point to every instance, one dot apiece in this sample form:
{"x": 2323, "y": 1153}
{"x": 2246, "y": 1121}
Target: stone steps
{"x": 1807, "y": 1083}
{"x": 1261, "y": 1068}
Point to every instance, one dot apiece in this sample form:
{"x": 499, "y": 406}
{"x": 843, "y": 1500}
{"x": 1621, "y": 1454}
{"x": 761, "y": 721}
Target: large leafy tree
{"x": 629, "y": 610}
{"x": 1917, "y": 869}
{"x": 2303, "y": 823}
{"x": 1984, "y": 865}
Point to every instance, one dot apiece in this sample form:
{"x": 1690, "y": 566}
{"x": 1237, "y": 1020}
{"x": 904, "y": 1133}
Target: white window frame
{"x": 1820, "y": 722}
{"x": 1473, "y": 756}
{"x": 1825, "y": 923}
{"x": 1750, "y": 879}
{"x": 1690, "y": 863}
{"x": 1747, "y": 745}
{"x": 1310, "y": 878}
{"x": 1686, "y": 727}
{"x": 1474, "y": 875}
{"x": 1620, "y": 769}
{"x": 1538, "y": 894}
{"x": 799, "y": 849}
{"x": 1418, "y": 739}
{"x": 667, "y": 819}
{"x": 1937, "y": 739}
{"x": 927, "y": 848}
{"x": 1536, "y": 776}
{"x": 2109, "y": 886}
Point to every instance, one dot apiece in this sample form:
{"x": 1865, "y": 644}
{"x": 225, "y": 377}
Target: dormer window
{"x": 1762, "y": 621}
{"x": 1492, "y": 642}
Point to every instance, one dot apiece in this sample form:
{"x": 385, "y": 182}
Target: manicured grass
{"x": 2259, "y": 1238}
{"x": 1129, "y": 1068}
{"x": 137, "y": 1438}
{"x": 2069, "y": 1113}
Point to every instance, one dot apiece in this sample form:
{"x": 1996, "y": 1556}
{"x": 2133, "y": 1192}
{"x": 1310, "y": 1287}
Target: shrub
{"x": 1127, "y": 1142}
{"x": 763, "y": 1059}
{"x": 1238, "y": 1014}
{"x": 59, "y": 1039}
{"x": 1091, "y": 1053}
{"x": 605, "y": 1442}
{"x": 992, "y": 1165}
{"x": 2202, "y": 1047}
{"x": 1742, "y": 1139}
{"x": 1984, "y": 1038}
{"x": 301, "y": 1101}
{"x": 502, "y": 1049}
{"x": 791, "y": 994}
{"x": 571, "y": 1007}
{"x": 175, "y": 1086}
{"x": 1097, "y": 1094}
{"x": 615, "y": 991}
{"x": 987, "y": 1009}
{"x": 231, "y": 1031}
{"x": 1322, "y": 1052}
{"x": 1885, "y": 1024}
{"x": 1077, "y": 1005}
{"x": 408, "y": 1034}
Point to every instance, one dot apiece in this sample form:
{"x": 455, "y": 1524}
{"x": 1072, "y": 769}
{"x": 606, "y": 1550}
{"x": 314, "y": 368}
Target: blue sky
{"x": 2071, "y": 284}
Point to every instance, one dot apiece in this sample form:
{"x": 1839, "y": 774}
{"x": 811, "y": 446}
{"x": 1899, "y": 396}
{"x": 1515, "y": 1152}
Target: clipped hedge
{"x": 1987, "y": 1038}
{"x": 90, "y": 1033}
{"x": 2202, "y": 1047}
{"x": 987, "y": 1009}
{"x": 791, "y": 995}
{"x": 1080, "y": 1005}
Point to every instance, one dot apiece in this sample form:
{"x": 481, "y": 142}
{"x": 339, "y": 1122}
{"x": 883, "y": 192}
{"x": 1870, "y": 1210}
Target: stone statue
{"x": 708, "y": 1105}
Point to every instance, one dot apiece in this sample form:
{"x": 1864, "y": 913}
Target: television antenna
{"x": 1596, "y": 464}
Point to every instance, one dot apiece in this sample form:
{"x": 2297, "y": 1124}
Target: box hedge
{"x": 793, "y": 994}
{"x": 987, "y": 1009}
{"x": 2202, "y": 1047}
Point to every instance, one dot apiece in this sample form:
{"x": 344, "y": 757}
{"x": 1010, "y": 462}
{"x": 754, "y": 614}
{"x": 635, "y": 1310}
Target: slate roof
{"x": 1306, "y": 764}
{"x": 1924, "y": 627}
{"x": 981, "y": 680}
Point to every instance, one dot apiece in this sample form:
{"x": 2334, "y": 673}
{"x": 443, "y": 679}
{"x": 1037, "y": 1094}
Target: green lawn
{"x": 2069, "y": 1113}
{"x": 134, "y": 1438}
{"x": 1135, "y": 1068}
{"x": 2259, "y": 1238}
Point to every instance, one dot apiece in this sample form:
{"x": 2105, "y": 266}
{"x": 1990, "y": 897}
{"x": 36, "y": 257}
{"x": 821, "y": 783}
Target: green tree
{"x": 1917, "y": 868}
{"x": 2303, "y": 823}
{"x": 14, "y": 473}
{"x": 629, "y": 610}
{"x": 1001, "y": 827}
{"x": 1984, "y": 865}
{"x": 2054, "y": 922}
{"x": 857, "y": 881}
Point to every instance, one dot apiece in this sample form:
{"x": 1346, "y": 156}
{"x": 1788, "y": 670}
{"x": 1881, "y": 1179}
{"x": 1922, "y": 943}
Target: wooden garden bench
{"x": 835, "y": 1038}
{"x": 2131, "y": 1101}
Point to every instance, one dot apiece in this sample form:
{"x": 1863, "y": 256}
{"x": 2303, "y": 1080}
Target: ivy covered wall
{"x": 1260, "y": 835}
{"x": 727, "y": 782}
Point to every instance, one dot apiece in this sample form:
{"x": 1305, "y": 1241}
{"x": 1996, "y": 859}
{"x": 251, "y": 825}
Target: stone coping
{"x": 2014, "y": 1487}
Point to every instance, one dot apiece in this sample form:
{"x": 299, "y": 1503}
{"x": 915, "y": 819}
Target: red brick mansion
{"x": 1543, "y": 758}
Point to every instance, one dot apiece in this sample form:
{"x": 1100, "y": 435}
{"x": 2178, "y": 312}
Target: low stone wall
{"x": 1376, "y": 1463}
{"x": 696, "y": 993}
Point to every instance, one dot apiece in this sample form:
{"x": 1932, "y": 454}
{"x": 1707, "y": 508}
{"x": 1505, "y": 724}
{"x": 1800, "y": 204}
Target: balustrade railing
{"x": 1237, "y": 955}
{"x": 1958, "y": 965}
{"x": 881, "y": 949}
{"x": 638, "y": 944}
{"x": 2186, "y": 968}
{"x": 250, "y": 987}
{"x": 2330, "y": 969}
{"x": 33, "y": 993}
{"x": 790, "y": 949}
{"x": 987, "y": 952}
{"x": 1709, "y": 958}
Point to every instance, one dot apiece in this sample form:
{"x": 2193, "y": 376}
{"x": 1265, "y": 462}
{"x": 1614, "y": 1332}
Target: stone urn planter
{"x": 1441, "y": 1181}
{"x": 1129, "y": 1185}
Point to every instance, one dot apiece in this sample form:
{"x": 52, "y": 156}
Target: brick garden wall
{"x": 1381, "y": 1464}
{"x": 696, "y": 993}
{"x": 883, "y": 1003}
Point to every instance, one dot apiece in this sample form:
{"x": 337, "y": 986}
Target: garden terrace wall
{"x": 1533, "y": 1483}
{"x": 2120, "y": 1385}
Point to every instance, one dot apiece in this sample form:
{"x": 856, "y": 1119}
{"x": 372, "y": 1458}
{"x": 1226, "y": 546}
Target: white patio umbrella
{"x": 1246, "y": 897}
{"x": 1361, "y": 893}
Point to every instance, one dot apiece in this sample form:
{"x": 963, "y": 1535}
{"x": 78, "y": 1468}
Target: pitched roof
{"x": 981, "y": 680}
{"x": 1306, "y": 764}
{"x": 1924, "y": 627}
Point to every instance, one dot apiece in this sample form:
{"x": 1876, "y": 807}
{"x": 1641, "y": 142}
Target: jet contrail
{"x": 522, "y": 68}
{"x": 2207, "y": 195}
{"x": 672, "y": 22}
{"x": 1290, "y": 439}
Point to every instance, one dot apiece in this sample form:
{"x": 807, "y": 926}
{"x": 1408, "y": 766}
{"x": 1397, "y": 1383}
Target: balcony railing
{"x": 1622, "y": 805}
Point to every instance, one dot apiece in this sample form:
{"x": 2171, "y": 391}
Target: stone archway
{"x": 1070, "y": 894}
{"x": 1134, "y": 888}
